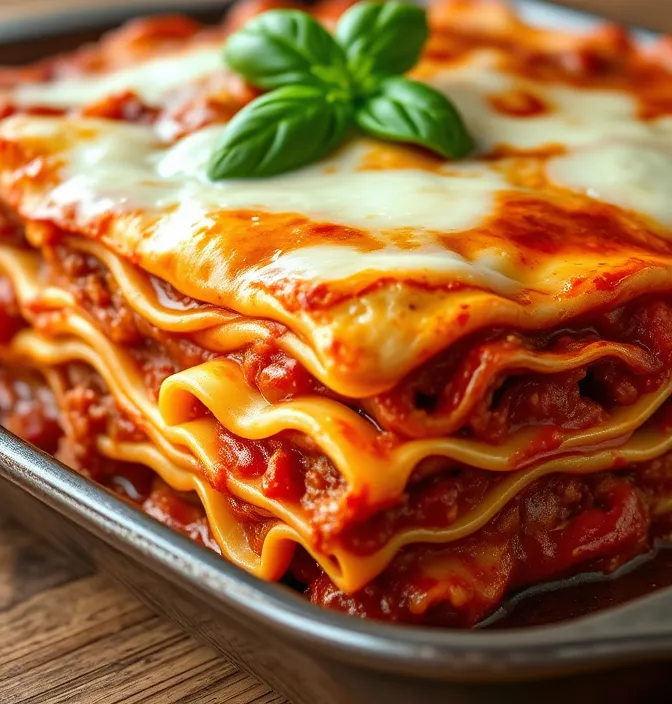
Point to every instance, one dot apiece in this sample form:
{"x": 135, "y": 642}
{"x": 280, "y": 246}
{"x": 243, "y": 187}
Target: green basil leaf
{"x": 286, "y": 47}
{"x": 406, "y": 111}
{"x": 381, "y": 39}
{"x": 280, "y": 131}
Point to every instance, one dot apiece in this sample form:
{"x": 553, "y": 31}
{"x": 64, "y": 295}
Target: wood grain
{"x": 69, "y": 635}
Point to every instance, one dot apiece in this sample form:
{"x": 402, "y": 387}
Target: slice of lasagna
{"x": 407, "y": 384}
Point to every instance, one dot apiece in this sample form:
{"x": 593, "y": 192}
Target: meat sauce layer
{"x": 559, "y": 526}
{"x": 467, "y": 376}
{"x": 472, "y": 389}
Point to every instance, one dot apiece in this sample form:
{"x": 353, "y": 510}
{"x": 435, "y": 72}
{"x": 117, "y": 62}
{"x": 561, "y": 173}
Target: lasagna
{"x": 405, "y": 385}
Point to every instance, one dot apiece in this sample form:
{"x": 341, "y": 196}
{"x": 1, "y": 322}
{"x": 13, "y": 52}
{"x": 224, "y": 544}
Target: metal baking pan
{"x": 315, "y": 656}
{"x": 309, "y": 654}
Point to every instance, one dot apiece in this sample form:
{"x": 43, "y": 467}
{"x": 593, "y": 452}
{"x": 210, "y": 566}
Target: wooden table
{"x": 69, "y": 635}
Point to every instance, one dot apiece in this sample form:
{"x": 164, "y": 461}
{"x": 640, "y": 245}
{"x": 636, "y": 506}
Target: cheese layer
{"x": 380, "y": 255}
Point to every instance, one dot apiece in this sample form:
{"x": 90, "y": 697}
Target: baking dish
{"x": 315, "y": 656}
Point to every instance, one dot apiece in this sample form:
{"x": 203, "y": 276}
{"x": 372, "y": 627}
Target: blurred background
{"x": 655, "y": 14}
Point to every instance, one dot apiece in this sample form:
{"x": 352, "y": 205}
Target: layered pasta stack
{"x": 406, "y": 385}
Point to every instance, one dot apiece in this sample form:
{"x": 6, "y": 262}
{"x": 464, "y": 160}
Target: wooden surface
{"x": 69, "y": 635}
{"x": 20, "y": 9}
{"x": 656, "y": 14}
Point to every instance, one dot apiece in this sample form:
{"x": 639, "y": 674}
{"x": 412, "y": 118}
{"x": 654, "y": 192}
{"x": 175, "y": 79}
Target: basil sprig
{"x": 280, "y": 131}
{"x": 407, "y": 111}
{"x": 285, "y": 47}
{"x": 381, "y": 39}
{"x": 321, "y": 84}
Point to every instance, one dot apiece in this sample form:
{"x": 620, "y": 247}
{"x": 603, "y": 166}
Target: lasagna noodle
{"x": 184, "y": 445}
{"x": 212, "y": 327}
{"x": 216, "y": 329}
{"x": 380, "y": 475}
{"x": 347, "y": 570}
{"x": 305, "y": 415}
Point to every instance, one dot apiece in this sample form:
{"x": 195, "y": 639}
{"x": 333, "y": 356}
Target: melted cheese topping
{"x": 573, "y": 117}
{"x": 150, "y": 80}
{"x": 335, "y": 189}
{"x": 629, "y": 174}
{"x": 373, "y": 232}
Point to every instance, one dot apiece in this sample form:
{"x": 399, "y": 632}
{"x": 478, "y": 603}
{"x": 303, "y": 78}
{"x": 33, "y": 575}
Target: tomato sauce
{"x": 558, "y": 526}
{"x": 470, "y": 391}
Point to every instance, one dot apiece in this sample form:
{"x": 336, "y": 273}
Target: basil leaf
{"x": 280, "y": 131}
{"x": 286, "y": 47}
{"x": 381, "y": 39}
{"x": 406, "y": 111}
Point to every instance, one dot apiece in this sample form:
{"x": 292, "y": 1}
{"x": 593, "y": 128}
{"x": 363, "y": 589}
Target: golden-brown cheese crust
{"x": 528, "y": 237}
